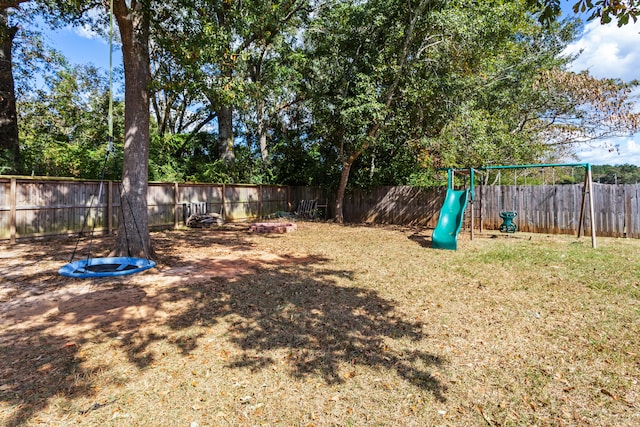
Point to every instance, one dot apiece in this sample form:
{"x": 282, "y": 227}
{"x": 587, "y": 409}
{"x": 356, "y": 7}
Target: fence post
{"x": 110, "y": 207}
{"x": 628, "y": 217}
{"x": 175, "y": 205}
{"x": 12, "y": 210}
{"x": 224, "y": 202}
{"x": 481, "y": 208}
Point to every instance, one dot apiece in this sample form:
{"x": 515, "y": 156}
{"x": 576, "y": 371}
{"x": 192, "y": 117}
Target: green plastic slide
{"x": 445, "y": 236}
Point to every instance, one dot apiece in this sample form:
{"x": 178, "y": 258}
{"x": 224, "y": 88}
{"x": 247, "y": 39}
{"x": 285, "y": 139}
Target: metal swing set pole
{"x": 588, "y": 188}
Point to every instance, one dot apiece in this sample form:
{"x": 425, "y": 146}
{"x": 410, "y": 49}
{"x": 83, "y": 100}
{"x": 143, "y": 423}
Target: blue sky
{"x": 81, "y": 46}
{"x": 606, "y": 51}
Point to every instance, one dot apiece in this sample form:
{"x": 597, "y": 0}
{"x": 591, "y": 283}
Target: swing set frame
{"x": 587, "y": 189}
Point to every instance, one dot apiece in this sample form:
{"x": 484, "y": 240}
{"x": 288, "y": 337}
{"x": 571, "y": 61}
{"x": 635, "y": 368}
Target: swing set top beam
{"x": 542, "y": 165}
{"x": 529, "y": 166}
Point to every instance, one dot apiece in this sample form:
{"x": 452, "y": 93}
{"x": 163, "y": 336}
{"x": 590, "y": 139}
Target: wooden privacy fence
{"x": 42, "y": 207}
{"x": 555, "y": 209}
{"x": 33, "y": 207}
{"x": 395, "y": 205}
{"x": 541, "y": 209}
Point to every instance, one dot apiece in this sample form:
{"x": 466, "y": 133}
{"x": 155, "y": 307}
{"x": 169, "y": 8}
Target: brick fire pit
{"x": 272, "y": 227}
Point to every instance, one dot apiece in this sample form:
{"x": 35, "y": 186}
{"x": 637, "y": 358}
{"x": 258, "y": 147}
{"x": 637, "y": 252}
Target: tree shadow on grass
{"x": 293, "y": 305}
{"x": 301, "y": 307}
{"x": 45, "y": 319}
{"x": 36, "y": 366}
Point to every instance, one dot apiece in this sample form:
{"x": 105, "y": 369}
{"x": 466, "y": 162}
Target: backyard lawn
{"x": 328, "y": 325}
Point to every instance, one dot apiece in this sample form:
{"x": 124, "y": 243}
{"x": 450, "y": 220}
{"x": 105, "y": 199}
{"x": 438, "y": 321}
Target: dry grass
{"x": 327, "y": 326}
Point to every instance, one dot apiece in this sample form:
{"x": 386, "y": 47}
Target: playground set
{"x": 445, "y": 235}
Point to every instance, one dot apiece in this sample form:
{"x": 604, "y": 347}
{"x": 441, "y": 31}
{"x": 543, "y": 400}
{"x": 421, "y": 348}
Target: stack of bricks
{"x": 272, "y": 227}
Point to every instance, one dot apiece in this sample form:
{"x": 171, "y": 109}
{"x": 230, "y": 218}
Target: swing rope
{"x": 135, "y": 225}
{"x": 110, "y": 149}
{"x": 86, "y": 217}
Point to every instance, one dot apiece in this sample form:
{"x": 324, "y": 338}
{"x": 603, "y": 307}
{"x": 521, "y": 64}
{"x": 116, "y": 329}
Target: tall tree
{"x": 517, "y": 103}
{"x": 468, "y": 93}
{"x": 16, "y": 20}
{"x": 176, "y": 104}
{"x": 206, "y": 29}
{"x": 272, "y": 64}
{"x": 133, "y": 18}
{"x": 225, "y": 48}
{"x": 64, "y": 124}
{"x": 9, "y": 144}
{"x": 361, "y": 53}
{"x": 487, "y": 62}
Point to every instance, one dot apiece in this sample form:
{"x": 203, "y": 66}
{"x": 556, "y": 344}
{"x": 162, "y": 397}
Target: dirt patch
{"x": 32, "y": 291}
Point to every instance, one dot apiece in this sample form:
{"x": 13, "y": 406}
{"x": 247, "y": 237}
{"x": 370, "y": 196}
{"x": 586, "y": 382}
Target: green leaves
{"x": 549, "y": 11}
{"x": 64, "y": 128}
{"x": 390, "y": 88}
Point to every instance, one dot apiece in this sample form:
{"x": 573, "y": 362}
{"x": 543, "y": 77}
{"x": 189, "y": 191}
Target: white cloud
{"x": 608, "y": 51}
{"x": 86, "y": 32}
{"x": 622, "y": 151}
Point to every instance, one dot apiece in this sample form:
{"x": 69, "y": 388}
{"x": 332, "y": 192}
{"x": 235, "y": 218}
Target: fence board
{"x": 241, "y": 202}
{"x": 632, "y": 211}
{"x": 395, "y": 205}
{"x": 274, "y": 198}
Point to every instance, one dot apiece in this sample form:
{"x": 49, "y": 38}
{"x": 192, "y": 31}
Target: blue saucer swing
{"x": 105, "y": 267}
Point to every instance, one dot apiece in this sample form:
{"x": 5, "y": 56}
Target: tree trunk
{"x": 375, "y": 127}
{"x": 133, "y": 231}
{"x": 262, "y": 133}
{"x": 342, "y": 187}
{"x": 9, "y": 144}
{"x": 225, "y": 112}
{"x": 225, "y": 134}
{"x": 346, "y": 169}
